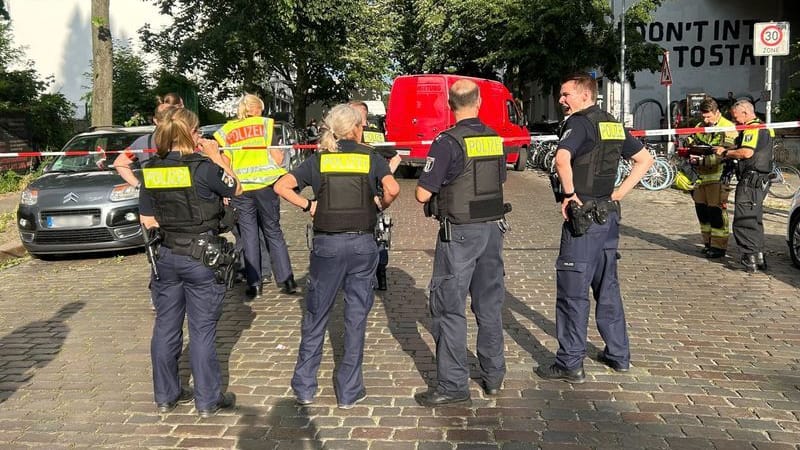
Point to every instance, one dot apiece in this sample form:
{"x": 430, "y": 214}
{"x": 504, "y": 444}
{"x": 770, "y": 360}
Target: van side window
{"x": 512, "y": 112}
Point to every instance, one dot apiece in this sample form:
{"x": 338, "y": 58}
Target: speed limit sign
{"x": 771, "y": 39}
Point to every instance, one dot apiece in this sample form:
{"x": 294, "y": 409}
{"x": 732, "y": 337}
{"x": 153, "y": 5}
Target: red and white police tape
{"x": 514, "y": 140}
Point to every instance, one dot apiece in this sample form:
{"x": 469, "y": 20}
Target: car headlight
{"x": 29, "y": 197}
{"x": 124, "y": 192}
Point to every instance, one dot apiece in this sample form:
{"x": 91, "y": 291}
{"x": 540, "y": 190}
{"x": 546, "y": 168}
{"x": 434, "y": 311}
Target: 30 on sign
{"x": 771, "y": 38}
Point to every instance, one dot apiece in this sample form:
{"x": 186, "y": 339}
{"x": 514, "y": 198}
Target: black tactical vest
{"x": 595, "y": 172}
{"x": 345, "y": 199}
{"x": 476, "y": 195}
{"x": 176, "y": 205}
{"x": 761, "y": 161}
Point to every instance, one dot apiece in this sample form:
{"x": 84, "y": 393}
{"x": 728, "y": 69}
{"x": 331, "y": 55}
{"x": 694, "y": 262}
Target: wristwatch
{"x": 568, "y": 194}
{"x": 308, "y": 206}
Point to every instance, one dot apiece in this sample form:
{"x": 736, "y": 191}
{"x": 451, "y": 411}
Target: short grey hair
{"x": 744, "y": 105}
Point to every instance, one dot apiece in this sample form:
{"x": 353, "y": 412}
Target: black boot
{"x": 381, "y": 275}
{"x": 761, "y": 261}
{"x": 289, "y": 286}
{"x": 749, "y": 263}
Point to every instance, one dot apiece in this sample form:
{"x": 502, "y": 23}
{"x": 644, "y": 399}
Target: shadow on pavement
{"x": 405, "y": 307}
{"x": 20, "y": 353}
{"x": 520, "y": 333}
{"x": 286, "y": 426}
{"x": 236, "y": 317}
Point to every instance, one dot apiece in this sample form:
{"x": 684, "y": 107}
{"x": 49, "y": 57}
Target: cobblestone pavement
{"x": 715, "y": 350}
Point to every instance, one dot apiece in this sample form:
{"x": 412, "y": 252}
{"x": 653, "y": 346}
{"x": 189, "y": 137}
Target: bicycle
{"x": 785, "y": 181}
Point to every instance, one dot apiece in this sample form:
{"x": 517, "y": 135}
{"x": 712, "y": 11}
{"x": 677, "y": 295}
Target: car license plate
{"x": 69, "y": 221}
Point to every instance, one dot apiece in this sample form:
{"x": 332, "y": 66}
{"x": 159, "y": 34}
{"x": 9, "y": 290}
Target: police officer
{"x": 462, "y": 185}
{"x": 259, "y": 206}
{"x": 343, "y": 177}
{"x": 586, "y": 162}
{"x": 710, "y": 193}
{"x": 184, "y": 191}
{"x": 754, "y": 154}
{"x": 374, "y": 135}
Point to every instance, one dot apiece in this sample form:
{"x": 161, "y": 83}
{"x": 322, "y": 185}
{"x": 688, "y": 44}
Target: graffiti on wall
{"x": 705, "y": 43}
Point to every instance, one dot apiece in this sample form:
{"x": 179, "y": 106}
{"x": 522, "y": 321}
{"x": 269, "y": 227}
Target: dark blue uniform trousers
{"x": 471, "y": 262}
{"x": 256, "y": 208}
{"x": 748, "y": 222}
{"x": 340, "y": 260}
{"x": 589, "y": 260}
{"x": 186, "y": 288}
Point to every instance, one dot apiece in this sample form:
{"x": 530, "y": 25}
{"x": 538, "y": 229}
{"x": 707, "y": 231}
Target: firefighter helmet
{"x": 683, "y": 182}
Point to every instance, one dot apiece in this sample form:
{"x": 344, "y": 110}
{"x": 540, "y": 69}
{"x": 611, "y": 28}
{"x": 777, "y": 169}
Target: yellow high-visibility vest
{"x": 255, "y": 168}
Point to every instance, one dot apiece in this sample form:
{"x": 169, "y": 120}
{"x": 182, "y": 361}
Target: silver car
{"x": 80, "y": 204}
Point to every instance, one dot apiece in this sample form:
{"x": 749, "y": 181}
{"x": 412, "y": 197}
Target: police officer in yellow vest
{"x": 462, "y": 185}
{"x": 183, "y": 190}
{"x": 711, "y": 193}
{"x": 257, "y": 170}
{"x": 753, "y": 151}
{"x": 343, "y": 177}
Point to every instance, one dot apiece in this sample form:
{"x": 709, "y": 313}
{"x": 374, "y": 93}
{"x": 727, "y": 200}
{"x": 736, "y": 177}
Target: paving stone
{"x": 712, "y": 368}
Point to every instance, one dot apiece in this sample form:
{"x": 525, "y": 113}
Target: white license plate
{"x": 69, "y": 221}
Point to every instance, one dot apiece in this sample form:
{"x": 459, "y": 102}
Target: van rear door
{"x": 417, "y": 111}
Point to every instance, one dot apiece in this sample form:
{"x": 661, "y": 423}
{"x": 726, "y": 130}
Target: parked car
{"x": 79, "y": 204}
{"x": 793, "y": 230}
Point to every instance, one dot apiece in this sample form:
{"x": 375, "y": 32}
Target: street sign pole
{"x": 622, "y": 66}
{"x": 666, "y": 81}
{"x": 768, "y": 88}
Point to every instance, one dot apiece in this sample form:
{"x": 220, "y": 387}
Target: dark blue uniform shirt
{"x": 208, "y": 180}
{"x": 446, "y": 158}
{"x": 308, "y": 174}
{"x": 580, "y": 135}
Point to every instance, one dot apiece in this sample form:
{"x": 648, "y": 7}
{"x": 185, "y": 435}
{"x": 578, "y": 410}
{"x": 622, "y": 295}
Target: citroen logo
{"x": 71, "y": 197}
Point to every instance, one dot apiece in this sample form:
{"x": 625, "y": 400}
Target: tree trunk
{"x": 300, "y": 95}
{"x": 102, "y": 101}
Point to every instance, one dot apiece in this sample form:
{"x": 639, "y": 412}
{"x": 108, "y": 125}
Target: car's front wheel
{"x": 794, "y": 240}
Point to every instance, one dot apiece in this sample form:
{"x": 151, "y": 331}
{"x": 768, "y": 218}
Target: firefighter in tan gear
{"x": 710, "y": 194}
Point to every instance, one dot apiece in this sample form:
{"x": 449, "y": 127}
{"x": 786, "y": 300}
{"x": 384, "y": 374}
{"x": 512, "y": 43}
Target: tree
{"x": 520, "y": 41}
{"x": 319, "y": 51}
{"x": 132, "y": 92}
{"x": 102, "y": 97}
{"x": 48, "y": 117}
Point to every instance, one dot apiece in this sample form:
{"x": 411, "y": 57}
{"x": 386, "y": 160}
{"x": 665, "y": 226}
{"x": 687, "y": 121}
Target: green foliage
{"x": 525, "y": 41}
{"x": 8, "y": 52}
{"x": 321, "y": 50}
{"x": 49, "y": 120}
{"x": 7, "y": 219}
{"x": 131, "y": 85}
{"x": 10, "y": 181}
{"x": 788, "y": 108}
{"x": 23, "y": 93}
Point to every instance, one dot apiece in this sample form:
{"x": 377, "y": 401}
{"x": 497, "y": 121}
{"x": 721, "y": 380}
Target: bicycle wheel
{"x": 785, "y": 183}
{"x": 658, "y": 176}
{"x": 622, "y": 171}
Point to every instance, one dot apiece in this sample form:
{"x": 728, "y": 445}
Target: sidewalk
{"x": 10, "y": 246}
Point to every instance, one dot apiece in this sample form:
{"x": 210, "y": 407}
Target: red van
{"x": 418, "y": 111}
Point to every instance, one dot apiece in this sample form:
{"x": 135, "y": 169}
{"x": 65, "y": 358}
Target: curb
{"x": 11, "y": 250}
